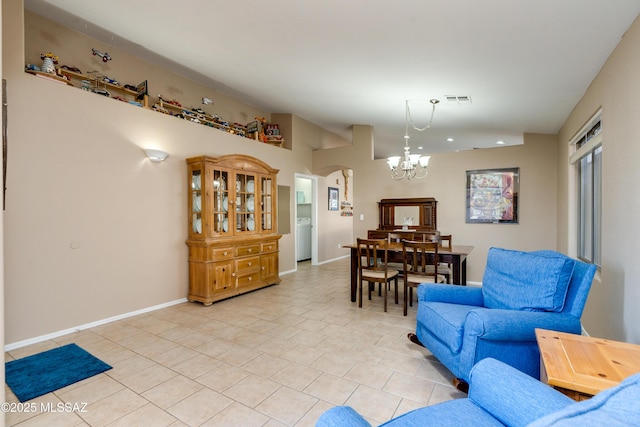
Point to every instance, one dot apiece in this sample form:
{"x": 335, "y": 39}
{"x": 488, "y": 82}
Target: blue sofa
{"x": 520, "y": 291}
{"x": 500, "y": 395}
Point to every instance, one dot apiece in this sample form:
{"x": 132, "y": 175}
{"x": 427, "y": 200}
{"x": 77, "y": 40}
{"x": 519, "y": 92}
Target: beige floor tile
{"x": 112, "y": 407}
{"x": 369, "y": 375}
{"x": 311, "y": 417}
{"x": 196, "y": 366}
{"x": 129, "y": 366}
{"x": 333, "y": 389}
{"x": 251, "y": 390}
{"x": 296, "y": 376}
{"x": 276, "y": 346}
{"x": 375, "y": 404}
{"x": 236, "y": 415}
{"x": 303, "y": 354}
{"x": 54, "y": 419}
{"x": 172, "y": 391}
{"x": 100, "y": 387}
{"x": 280, "y": 356}
{"x": 287, "y": 405}
{"x": 238, "y": 355}
{"x": 265, "y": 365}
{"x": 148, "y": 415}
{"x": 147, "y": 378}
{"x": 222, "y": 377}
{"x": 333, "y": 364}
{"x": 199, "y": 407}
{"x": 175, "y": 356}
{"x": 410, "y": 387}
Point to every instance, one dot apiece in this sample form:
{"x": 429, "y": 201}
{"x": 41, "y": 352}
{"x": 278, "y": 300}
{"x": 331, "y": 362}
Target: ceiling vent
{"x": 458, "y": 99}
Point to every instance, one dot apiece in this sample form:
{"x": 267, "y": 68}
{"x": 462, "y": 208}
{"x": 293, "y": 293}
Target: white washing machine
{"x": 303, "y": 233}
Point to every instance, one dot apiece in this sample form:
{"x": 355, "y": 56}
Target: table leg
{"x": 354, "y": 273}
{"x": 459, "y": 270}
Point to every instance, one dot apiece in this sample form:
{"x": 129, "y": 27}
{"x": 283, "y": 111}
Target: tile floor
{"x": 279, "y": 356}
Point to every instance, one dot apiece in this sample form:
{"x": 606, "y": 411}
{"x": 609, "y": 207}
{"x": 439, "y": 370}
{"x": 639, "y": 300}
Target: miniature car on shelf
{"x": 100, "y": 91}
{"x": 104, "y": 55}
{"x": 111, "y": 81}
{"x": 71, "y": 68}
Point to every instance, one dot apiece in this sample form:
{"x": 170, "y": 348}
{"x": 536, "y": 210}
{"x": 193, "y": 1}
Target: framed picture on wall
{"x": 333, "y": 198}
{"x": 492, "y": 196}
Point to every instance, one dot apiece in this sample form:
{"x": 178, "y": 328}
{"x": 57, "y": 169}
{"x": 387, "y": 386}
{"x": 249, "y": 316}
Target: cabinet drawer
{"x": 248, "y": 250}
{"x": 270, "y": 247}
{"x": 247, "y": 264}
{"x": 222, "y": 253}
{"x": 248, "y": 279}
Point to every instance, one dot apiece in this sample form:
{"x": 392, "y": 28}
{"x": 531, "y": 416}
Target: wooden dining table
{"x": 456, "y": 256}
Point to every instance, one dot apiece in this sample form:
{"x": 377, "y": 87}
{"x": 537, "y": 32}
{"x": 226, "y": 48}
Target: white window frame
{"x": 589, "y": 218}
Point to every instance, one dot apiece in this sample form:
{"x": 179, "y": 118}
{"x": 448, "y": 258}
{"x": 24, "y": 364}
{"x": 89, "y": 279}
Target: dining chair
{"x": 373, "y": 268}
{"x": 444, "y": 268}
{"x": 397, "y": 238}
{"x": 420, "y": 266}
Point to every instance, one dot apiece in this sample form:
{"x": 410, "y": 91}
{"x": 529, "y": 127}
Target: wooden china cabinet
{"x": 233, "y": 240}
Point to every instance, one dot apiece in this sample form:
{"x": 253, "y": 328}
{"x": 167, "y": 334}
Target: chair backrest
{"x": 579, "y": 285}
{"x": 446, "y": 238}
{"x": 372, "y": 254}
{"x": 420, "y": 258}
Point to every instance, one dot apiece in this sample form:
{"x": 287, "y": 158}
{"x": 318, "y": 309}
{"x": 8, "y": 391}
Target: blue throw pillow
{"x": 528, "y": 281}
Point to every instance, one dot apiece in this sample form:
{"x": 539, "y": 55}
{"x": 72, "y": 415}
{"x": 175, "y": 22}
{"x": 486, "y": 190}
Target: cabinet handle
{"x": 250, "y": 250}
{"x": 250, "y": 278}
{"x": 262, "y": 268}
{"x": 233, "y": 274}
{"x": 249, "y": 263}
{"x": 225, "y": 253}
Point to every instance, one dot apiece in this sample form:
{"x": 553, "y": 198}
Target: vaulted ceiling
{"x": 522, "y": 64}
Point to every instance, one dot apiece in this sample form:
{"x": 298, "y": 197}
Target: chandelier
{"x": 409, "y": 165}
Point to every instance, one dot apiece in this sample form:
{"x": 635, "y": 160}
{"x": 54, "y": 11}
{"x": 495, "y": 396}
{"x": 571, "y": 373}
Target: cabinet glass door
{"x": 196, "y": 201}
{"x": 267, "y": 204}
{"x": 245, "y": 203}
{"x": 221, "y": 204}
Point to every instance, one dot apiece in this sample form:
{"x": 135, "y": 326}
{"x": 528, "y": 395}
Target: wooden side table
{"x": 581, "y": 366}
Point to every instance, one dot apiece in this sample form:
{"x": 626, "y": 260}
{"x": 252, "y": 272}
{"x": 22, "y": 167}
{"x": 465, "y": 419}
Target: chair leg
{"x": 370, "y": 284}
{"x": 406, "y": 290}
{"x": 360, "y": 293}
{"x": 396, "y": 285}
{"x": 384, "y": 296}
{"x": 411, "y": 296}
{"x": 414, "y": 339}
{"x": 461, "y": 385}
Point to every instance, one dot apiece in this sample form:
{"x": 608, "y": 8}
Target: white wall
{"x": 92, "y": 228}
{"x": 612, "y": 307}
{"x": 446, "y": 182}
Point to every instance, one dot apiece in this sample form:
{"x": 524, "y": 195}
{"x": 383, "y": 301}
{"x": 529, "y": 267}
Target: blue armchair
{"x": 520, "y": 291}
{"x": 500, "y": 395}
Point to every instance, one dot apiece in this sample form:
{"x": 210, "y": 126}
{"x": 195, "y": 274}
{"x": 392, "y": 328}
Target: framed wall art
{"x": 492, "y": 196}
{"x": 333, "y": 198}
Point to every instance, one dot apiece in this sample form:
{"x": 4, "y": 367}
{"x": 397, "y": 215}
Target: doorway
{"x": 305, "y": 202}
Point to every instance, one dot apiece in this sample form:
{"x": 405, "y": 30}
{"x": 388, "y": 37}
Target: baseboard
{"x": 13, "y": 346}
{"x": 334, "y": 259}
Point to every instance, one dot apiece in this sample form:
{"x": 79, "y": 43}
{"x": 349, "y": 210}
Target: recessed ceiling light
{"x": 419, "y": 148}
{"x": 500, "y": 142}
{"x": 450, "y": 139}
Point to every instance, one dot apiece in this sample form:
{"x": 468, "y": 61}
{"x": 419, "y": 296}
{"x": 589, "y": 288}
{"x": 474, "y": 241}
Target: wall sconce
{"x": 156, "y": 156}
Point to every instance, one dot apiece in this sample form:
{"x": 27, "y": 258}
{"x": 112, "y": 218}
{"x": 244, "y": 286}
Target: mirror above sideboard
{"x": 394, "y": 213}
